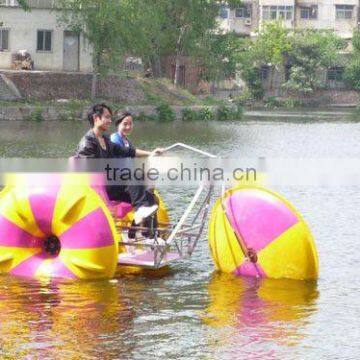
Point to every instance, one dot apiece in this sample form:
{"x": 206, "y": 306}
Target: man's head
{"x": 124, "y": 122}
{"x": 100, "y": 117}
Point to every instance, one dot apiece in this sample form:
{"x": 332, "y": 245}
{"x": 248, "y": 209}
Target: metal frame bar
{"x": 177, "y": 232}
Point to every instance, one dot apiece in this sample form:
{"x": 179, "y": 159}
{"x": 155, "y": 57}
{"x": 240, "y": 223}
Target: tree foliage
{"x": 352, "y": 70}
{"x": 174, "y": 28}
{"x": 221, "y": 55}
{"x": 310, "y": 51}
{"x": 302, "y": 52}
{"x": 102, "y": 23}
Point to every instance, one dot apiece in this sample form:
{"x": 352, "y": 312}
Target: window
{"x": 44, "y": 40}
{"x": 4, "y": 39}
{"x": 264, "y": 72}
{"x": 277, "y": 12}
{"x": 243, "y": 12}
{"x": 335, "y": 73}
{"x": 344, "y": 11}
{"x": 224, "y": 12}
{"x": 309, "y": 12}
{"x": 9, "y": 3}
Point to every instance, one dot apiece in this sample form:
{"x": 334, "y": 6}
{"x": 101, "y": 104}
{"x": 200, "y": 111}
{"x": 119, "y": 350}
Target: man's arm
{"x": 86, "y": 149}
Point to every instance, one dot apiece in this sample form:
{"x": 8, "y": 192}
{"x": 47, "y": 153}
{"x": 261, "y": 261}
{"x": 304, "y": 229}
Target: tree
{"x": 271, "y": 47}
{"x": 220, "y": 55}
{"x": 311, "y": 50}
{"x": 352, "y": 70}
{"x": 103, "y": 24}
{"x": 24, "y": 4}
{"x": 176, "y": 27}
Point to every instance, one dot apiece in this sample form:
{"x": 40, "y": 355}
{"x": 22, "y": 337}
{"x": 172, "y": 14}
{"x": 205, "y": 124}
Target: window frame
{"x": 246, "y": 11}
{"x": 337, "y": 73}
{"x": 309, "y": 9}
{"x": 224, "y": 10}
{"x": 9, "y": 3}
{"x": 344, "y": 9}
{"x": 1, "y": 39}
{"x": 277, "y": 12}
{"x": 44, "y": 40}
{"x": 264, "y": 72}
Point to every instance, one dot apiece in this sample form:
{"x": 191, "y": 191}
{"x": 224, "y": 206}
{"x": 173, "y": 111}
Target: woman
{"x": 124, "y": 125}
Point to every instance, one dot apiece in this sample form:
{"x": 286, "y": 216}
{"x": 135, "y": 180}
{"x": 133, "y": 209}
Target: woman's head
{"x": 124, "y": 122}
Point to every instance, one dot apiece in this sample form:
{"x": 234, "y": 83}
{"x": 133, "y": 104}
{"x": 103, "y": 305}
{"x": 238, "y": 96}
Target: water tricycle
{"x": 65, "y": 226}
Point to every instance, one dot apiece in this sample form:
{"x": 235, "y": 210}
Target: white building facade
{"x": 342, "y": 16}
{"x": 52, "y": 46}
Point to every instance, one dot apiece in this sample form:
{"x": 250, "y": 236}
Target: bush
{"x": 35, "y": 115}
{"x": 229, "y": 113}
{"x": 206, "y": 114}
{"x": 272, "y": 102}
{"x": 238, "y": 113}
{"x": 223, "y": 113}
{"x": 145, "y": 117}
{"x": 165, "y": 113}
{"x": 352, "y": 74}
{"x": 244, "y": 97}
{"x": 291, "y": 103}
{"x": 190, "y": 115}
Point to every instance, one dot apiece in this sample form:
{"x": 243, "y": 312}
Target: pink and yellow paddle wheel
{"x": 256, "y": 232}
{"x": 51, "y": 227}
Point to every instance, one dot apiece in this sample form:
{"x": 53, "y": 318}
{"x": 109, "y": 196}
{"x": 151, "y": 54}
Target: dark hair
{"x": 121, "y": 115}
{"x": 98, "y": 110}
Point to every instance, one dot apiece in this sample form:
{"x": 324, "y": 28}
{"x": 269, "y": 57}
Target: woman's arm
{"x": 142, "y": 153}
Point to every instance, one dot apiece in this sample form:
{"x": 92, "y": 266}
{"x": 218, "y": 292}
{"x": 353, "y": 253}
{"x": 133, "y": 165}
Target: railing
{"x": 181, "y": 238}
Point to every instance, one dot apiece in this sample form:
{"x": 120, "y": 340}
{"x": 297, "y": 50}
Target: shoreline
{"x": 68, "y": 112}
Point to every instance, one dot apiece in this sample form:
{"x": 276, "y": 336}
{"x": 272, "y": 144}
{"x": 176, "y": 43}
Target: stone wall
{"x": 331, "y": 97}
{"x": 8, "y": 90}
{"x": 42, "y": 85}
{"x": 341, "y": 96}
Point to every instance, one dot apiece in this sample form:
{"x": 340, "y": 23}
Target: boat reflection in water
{"x": 63, "y": 320}
{"x": 257, "y": 317}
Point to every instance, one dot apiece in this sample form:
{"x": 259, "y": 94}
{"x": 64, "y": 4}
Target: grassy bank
{"x": 162, "y": 101}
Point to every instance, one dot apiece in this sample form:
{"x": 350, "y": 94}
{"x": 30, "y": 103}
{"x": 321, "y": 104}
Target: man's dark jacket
{"x": 89, "y": 147}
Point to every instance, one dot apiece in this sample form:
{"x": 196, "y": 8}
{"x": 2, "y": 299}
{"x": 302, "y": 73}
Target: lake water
{"x": 189, "y": 311}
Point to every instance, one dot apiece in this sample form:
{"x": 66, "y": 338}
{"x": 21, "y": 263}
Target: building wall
{"x": 191, "y": 71}
{"x": 241, "y": 25}
{"x": 289, "y": 23}
{"x": 326, "y": 17}
{"x": 23, "y": 28}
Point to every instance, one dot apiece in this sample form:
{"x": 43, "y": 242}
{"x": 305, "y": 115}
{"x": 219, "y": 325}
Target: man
{"x": 97, "y": 145}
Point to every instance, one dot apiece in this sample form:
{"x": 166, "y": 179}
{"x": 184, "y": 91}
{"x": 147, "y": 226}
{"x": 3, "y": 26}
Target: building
{"x": 51, "y": 46}
{"x": 244, "y": 20}
{"x": 342, "y": 16}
